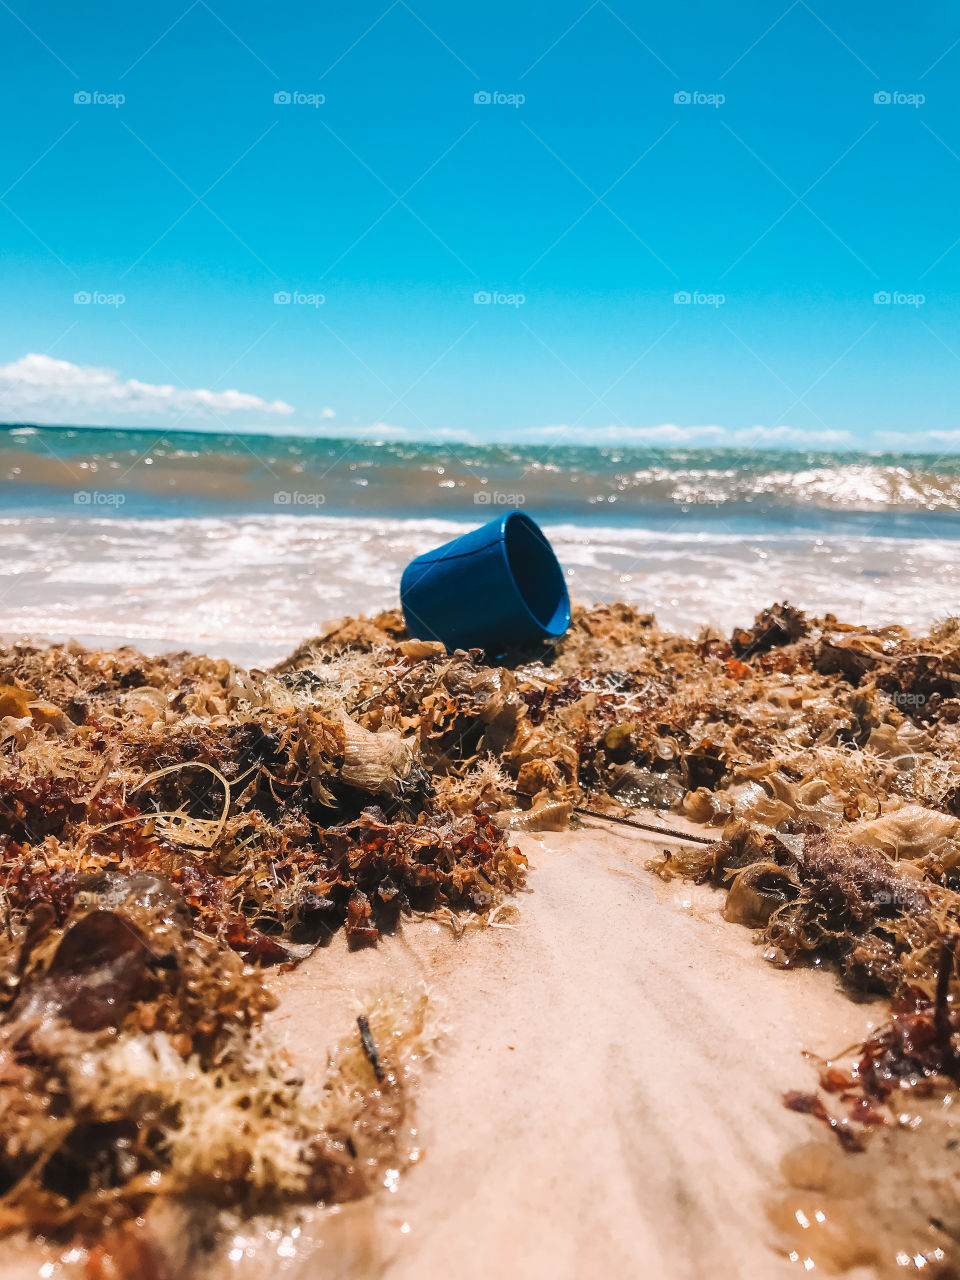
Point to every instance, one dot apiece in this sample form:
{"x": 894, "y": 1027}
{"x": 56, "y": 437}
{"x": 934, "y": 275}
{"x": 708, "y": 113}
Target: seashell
{"x": 374, "y": 762}
{"x": 757, "y": 891}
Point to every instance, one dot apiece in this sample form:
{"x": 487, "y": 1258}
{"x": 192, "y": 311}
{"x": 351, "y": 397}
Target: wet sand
{"x": 607, "y": 1099}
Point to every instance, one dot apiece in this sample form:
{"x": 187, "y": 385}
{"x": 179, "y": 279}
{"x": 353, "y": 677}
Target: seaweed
{"x": 169, "y": 828}
{"x": 781, "y": 624}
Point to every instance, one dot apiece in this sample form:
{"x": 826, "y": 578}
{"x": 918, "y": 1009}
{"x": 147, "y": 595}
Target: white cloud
{"x": 415, "y": 434}
{"x": 947, "y": 442}
{"x": 43, "y": 389}
{"x": 39, "y": 388}
{"x": 370, "y": 431}
{"x": 768, "y": 437}
{"x": 668, "y": 434}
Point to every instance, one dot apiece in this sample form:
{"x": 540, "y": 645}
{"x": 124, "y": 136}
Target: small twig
{"x": 380, "y": 692}
{"x": 370, "y": 1047}
{"x": 645, "y": 826}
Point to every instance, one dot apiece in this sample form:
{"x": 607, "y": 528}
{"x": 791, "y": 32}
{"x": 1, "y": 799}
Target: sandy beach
{"x": 606, "y": 1096}
{"x": 607, "y": 1100}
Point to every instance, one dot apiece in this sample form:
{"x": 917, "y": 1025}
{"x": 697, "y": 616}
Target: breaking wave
{"x": 190, "y": 473}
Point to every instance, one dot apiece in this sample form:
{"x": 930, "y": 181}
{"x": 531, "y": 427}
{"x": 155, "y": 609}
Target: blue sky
{"x": 629, "y": 156}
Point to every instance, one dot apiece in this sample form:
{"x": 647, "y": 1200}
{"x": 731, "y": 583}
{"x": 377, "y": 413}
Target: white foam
{"x": 253, "y": 587}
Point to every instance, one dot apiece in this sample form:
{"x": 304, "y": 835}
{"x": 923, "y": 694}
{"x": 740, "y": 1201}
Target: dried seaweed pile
{"x": 167, "y": 828}
{"x": 170, "y": 826}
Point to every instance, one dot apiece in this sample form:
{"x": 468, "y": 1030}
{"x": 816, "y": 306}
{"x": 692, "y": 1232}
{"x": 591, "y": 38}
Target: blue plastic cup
{"x": 498, "y": 587}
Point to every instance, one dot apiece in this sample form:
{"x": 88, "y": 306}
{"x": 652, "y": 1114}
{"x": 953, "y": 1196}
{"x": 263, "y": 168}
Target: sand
{"x": 607, "y": 1098}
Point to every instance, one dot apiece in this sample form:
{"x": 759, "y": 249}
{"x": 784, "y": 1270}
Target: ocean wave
{"x": 252, "y": 587}
{"x": 853, "y": 487}
{"x": 48, "y": 468}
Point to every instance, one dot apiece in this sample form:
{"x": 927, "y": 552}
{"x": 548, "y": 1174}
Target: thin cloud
{"x": 947, "y": 441}
{"x": 665, "y": 435}
{"x": 670, "y": 434}
{"x": 43, "y": 389}
{"x": 763, "y": 437}
{"x": 39, "y": 388}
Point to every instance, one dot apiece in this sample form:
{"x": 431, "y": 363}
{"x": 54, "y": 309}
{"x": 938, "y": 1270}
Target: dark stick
{"x": 646, "y": 826}
{"x": 370, "y": 1047}
{"x": 941, "y": 1010}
